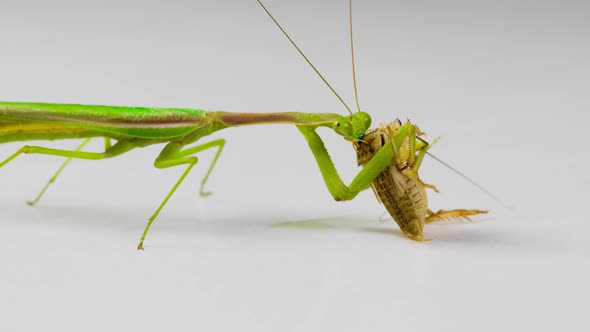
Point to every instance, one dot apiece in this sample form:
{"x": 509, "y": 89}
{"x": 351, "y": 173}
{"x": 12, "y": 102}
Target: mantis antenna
{"x": 356, "y": 94}
{"x": 484, "y": 190}
{"x": 303, "y": 55}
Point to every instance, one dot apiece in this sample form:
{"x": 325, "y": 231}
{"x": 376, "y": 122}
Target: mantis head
{"x": 353, "y": 127}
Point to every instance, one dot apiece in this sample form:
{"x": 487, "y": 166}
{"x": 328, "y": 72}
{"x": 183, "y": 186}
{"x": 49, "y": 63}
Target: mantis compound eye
{"x": 365, "y": 119}
{"x": 361, "y": 122}
{"x": 343, "y": 127}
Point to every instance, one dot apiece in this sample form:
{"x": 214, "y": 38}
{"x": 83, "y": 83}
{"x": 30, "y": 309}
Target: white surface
{"x": 505, "y": 87}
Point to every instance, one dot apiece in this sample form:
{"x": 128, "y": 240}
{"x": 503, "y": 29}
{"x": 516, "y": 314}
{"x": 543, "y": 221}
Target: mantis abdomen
{"x": 34, "y": 121}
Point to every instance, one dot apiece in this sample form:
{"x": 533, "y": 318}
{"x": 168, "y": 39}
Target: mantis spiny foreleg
{"x": 381, "y": 160}
{"x": 362, "y": 181}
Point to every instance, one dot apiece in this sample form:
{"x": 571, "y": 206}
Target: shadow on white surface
{"x": 482, "y": 231}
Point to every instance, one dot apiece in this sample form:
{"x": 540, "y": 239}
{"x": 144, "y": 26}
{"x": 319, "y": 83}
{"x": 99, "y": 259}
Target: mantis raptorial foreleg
{"x": 336, "y": 186}
{"x": 381, "y": 160}
{"x": 412, "y": 146}
{"x": 171, "y": 156}
{"x": 422, "y": 152}
{"x": 406, "y": 153}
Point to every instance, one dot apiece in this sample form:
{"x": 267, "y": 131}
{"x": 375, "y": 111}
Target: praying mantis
{"x": 182, "y": 129}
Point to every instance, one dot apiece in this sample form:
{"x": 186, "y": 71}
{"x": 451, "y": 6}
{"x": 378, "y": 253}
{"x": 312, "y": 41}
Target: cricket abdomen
{"x": 403, "y": 195}
{"x": 405, "y": 200}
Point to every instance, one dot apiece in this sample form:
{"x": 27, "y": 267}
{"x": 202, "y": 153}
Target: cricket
{"x": 390, "y": 155}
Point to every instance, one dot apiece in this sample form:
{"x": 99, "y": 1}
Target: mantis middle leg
{"x": 219, "y": 144}
{"x": 173, "y": 155}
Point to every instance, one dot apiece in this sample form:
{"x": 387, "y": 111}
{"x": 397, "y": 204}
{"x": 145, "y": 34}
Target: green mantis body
{"x": 180, "y": 130}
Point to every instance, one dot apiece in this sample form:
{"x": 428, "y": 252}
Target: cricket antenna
{"x": 303, "y": 55}
{"x": 356, "y": 94}
{"x": 477, "y": 185}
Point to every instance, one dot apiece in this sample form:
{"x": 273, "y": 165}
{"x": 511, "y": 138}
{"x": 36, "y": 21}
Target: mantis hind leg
{"x": 117, "y": 149}
{"x": 61, "y": 168}
{"x": 28, "y": 149}
{"x": 57, "y": 173}
{"x": 171, "y": 156}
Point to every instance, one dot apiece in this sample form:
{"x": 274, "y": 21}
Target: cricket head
{"x": 353, "y": 127}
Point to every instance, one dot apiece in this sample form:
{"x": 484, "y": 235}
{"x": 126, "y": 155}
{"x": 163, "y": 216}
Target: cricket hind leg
{"x": 430, "y": 186}
{"x": 61, "y": 168}
{"x": 171, "y": 156}
{"x": 452, "y": 214}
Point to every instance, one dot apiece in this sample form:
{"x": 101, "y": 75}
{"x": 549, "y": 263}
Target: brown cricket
{"x": 399, "y": 187}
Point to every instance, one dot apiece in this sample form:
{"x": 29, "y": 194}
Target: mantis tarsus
{"x": 181, "y": 130}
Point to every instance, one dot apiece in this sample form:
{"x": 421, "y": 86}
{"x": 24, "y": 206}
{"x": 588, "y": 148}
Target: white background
{"x": 505, "y": 85}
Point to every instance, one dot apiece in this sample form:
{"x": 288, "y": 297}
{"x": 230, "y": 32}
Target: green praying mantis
{"x": 181, "y": 130}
